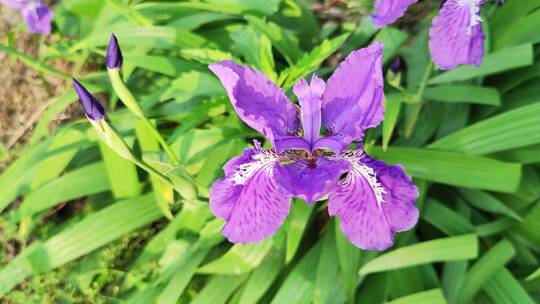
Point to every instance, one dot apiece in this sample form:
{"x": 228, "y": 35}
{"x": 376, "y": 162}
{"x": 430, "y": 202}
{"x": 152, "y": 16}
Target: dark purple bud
{"x": 91, "y": 106}
{"x": 114, "y": 54}
{"x": 396, "y": 65}
{"x": 501, "y": 2}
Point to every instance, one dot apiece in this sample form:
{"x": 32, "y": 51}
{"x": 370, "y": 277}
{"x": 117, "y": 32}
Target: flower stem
{"x": 129, "y": 101}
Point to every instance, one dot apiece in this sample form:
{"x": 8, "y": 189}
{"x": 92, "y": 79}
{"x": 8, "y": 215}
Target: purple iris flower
{"x": 373, "y": 200}
{"x": 388, "y": 11}
{"x": 456, "y": 35}
{"x": 36, "y": 14}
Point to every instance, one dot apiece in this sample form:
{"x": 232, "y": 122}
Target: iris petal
{"x": 311, "y": 180}
{"x": 456, "y": 36}
{"x": 257, "y": 100}
{"x": 373, "y": 202}
{"x": 248, "y": 198}
{"x": 353, "y": 98}
{"x": 388, "y": 11}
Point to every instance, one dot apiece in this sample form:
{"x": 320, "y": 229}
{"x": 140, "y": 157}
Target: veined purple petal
{"x": 311, "y": 180}
{"x": 38, "y": 17}
{"x": 310, "y": 99}
{"x": 373, "y": 202}
{"x": 456, "y": 36}
{"x": 92, "y": 108}
{"x": 353, "y": 98}
{"x": 114, "y": 58}
{"x": 388, "y": 11}
{"x": 257, "y": 100}
{"x": 249, "y": 198}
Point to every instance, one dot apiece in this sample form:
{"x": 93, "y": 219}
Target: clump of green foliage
{"x": 81, "y": 224}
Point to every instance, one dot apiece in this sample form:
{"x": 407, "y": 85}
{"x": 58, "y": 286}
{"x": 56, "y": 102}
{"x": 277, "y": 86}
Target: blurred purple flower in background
{"x": 388, "y": 11}
{"x": 456, "y": 35}
{"x": 373, "y": 200}
{"x": 36, "y": 14}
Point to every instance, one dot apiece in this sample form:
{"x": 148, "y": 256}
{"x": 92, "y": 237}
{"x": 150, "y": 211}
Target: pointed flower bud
{"x": 396, "y": 65}
{"x": 93, "y": 110}
{"x": 114, "y": 54}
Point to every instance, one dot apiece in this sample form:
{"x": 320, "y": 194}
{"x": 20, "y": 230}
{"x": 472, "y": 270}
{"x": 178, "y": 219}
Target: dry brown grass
{"x": 24, "y": 93}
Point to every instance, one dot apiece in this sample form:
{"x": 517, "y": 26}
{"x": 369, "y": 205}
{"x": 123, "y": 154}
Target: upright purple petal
{"x": 311, "y": 180}
{"x": 373, "y": 202}
{"x": 388, "y": 11}
{"x": 353, "y": 98}
{"x": 257, "y": 100}
{"x": 249, "y": 198}
{"x": 310, "y": 99}
{"x": 456, "y": 36}
{"x": 38, "y": 17}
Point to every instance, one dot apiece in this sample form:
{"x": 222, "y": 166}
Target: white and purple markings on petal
{"x": 354, "y": 158}
{"x": 474, "y": 12}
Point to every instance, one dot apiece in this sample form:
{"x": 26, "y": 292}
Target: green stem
{"x": 131, "y": 103}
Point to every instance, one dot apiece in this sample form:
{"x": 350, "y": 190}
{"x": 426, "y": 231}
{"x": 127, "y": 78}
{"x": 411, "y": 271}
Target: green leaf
{"x": 77, "y": 183}
{"x": 239, "y": 259}
{"x": 299, "y": 286}
{"x": 219, "y": 289}
{"x": 523, "y": 30}
{"x": 81, "y": 238}
{"x": 509, "y": 130}
{"x": 506, "y": 59}
{"x": 310, "y": 61}
{"x": 433, "y": 296}
{"x": 122, "y": 173}
{"x": 393, "y": 39}
{"x": 463, "y": 93}
{"x": 297, "y": 223}
{"x": 162, "y": 64}
{"x": 33, "y": 63}
{"x": 263, "y": 277}
{"x": 392, "y": 106}
{"x": 504, "y": 288}
{"x": 484, "y": 269}
{"x": 487, "y": 202}
{"x": 446, "y": 249}
{"x": 452, "y": 168}
{"x": 160, "y": 37}
{"x": 281, "y": 40}
{"x": 445, "y": 219}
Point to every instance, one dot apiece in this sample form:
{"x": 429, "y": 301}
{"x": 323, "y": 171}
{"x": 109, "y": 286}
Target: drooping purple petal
{"x": 388, "y": 11}
{"x": 456, "y": 36}
{"x": 248, "y": 197}
{"x": 114, "y": 58}
{"x": 257, "y": 100}
{"x": 373, "y": 202}
{"x": 92, "y": 108}
{"x": 311, "y": 180}
{"x": 38, "y": 17}
{"x": 310, "y": 99}
{"x": 353, "y": 98}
